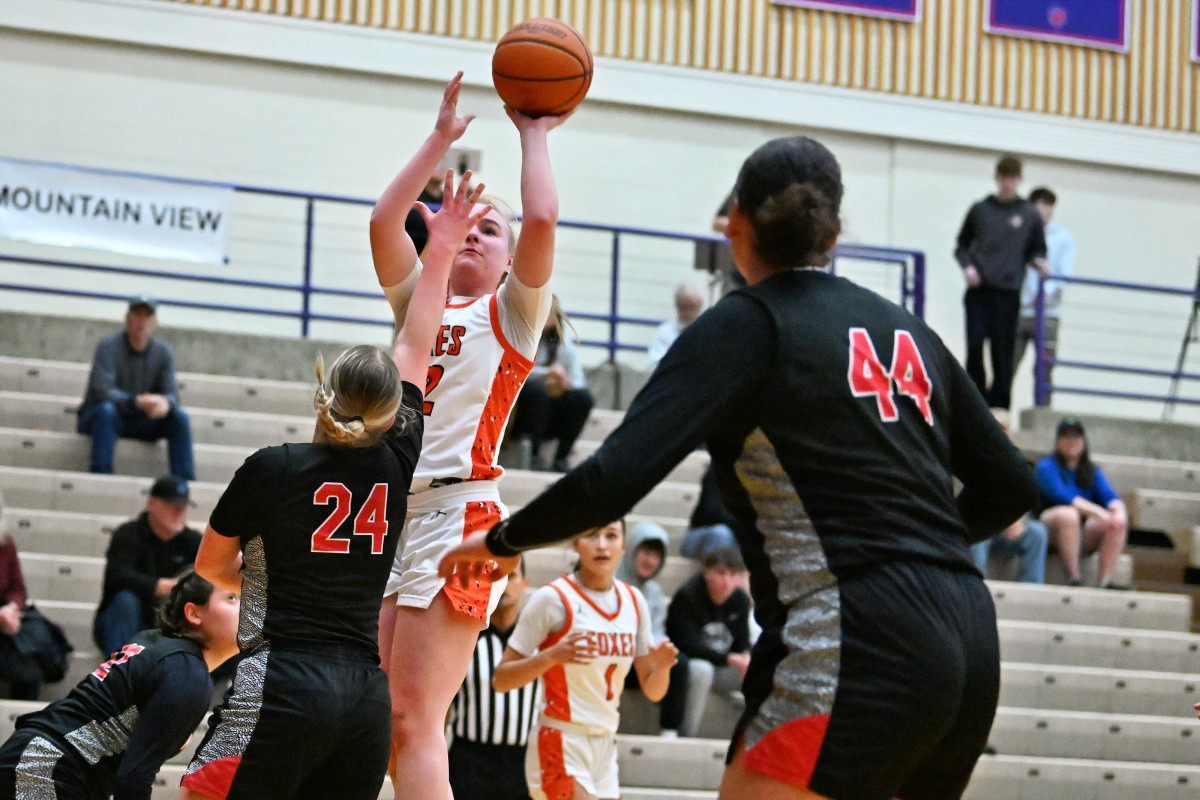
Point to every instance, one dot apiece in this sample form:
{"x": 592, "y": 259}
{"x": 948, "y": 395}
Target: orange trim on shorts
{"x": 506, "y": 385}
{"x": 554, "y": 680}
{"x": 556, "y": 783}
{"x": 214, "y": 779}
{"x": 473, "y": 600}
{"x": 789, "y": 753}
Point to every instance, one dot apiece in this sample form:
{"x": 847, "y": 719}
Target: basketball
{"x": 542, "y": 67}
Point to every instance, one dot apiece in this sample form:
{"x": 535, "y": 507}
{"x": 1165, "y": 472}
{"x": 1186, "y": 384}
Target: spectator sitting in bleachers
{"x": 145, "y": 557}
{"x": 131, "y": 393}
{"x": 643, "y": 560}
{"x": 708, "y": 620}
{"x": 555, "y": 401}
{"x": 22, "y": 672}
{"x": 1025, "y": 539}
{"x": 710, "y": 526}
{"x": 688, "y": 305}
{"x": 1081, "y": 512}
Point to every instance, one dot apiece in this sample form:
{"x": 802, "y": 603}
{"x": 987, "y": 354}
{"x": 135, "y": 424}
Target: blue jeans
{"x": 105, "y": 425}
{"x": 1030, "y": 547}
{"x": 115, "y": 625}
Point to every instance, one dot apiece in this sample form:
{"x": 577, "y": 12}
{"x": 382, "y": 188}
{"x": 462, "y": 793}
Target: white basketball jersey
{"x": 590, "y": 694}
{"x": 475, "y": 375}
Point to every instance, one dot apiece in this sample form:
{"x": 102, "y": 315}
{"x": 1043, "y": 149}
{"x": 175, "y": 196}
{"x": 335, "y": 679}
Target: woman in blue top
{"x": 1082, "y": 512}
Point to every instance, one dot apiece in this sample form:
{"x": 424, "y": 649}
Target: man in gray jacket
{"x": 131, "y": 393}
{"x": 1001, "y": 235}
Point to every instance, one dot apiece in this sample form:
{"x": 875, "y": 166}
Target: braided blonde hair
{"x": 361, "y": 398}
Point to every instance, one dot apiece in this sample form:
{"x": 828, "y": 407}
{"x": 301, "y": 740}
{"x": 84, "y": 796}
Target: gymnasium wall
{"x": 944, "y": 56}
{"x": 255, "y": 98}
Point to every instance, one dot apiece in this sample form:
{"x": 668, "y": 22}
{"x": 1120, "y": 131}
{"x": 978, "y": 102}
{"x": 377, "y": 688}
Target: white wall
{"x": 246, "y": 120}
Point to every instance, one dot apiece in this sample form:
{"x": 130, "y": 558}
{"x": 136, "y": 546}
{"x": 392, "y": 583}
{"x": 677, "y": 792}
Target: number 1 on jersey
{"x": 869, "y": 378}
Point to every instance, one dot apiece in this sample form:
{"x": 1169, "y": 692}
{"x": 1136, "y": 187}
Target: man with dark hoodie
{"x": 1001, "y": 235}
{"x": 709, "y": 621}
{"x": 644, "y": 559}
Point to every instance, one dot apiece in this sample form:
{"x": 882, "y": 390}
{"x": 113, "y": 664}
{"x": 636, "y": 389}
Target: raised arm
{"x": 534, "y": 257}
{"x": 447, "y": 230}
{"x": 392, "y": 249}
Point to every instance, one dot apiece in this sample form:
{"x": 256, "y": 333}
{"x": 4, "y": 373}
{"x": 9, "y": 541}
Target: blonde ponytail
{"x": 360, "y": 398}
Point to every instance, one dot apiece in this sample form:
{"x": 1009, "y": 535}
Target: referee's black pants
{"x": 991, "y": 315}
{"x": 487, "y": 771}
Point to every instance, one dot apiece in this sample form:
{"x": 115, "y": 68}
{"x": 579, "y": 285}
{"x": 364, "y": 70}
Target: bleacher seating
{"x": 1096, "y": 689}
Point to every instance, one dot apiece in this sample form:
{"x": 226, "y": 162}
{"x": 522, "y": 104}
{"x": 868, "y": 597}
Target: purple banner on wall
{"x": 1196, "y": 30}
{"x": 907, "y": 10}
{"x": 1092, "y": 23}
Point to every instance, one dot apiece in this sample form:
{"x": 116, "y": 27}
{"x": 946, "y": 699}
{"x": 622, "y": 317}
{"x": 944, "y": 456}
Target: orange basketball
{"x": 542, "y": 67}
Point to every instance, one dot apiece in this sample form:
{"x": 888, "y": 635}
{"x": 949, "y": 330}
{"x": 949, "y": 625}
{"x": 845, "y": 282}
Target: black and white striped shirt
{"x": 485, "y": 716}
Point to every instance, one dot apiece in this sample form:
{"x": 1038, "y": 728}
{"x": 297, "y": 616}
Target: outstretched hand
{"x": 449, "y": 122}
{"x": 458, "y": 214}
{"x": 471, "y": 560}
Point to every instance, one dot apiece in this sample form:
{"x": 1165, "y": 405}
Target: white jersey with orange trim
{"x": 480, "y": 360}
{"x": 616, "y": 622}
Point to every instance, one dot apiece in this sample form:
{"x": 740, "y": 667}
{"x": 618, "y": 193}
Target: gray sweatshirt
{"x": 1000, "y": 237}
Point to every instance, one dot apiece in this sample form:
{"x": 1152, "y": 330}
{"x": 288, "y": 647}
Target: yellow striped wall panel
{"x": 944, "y": 56}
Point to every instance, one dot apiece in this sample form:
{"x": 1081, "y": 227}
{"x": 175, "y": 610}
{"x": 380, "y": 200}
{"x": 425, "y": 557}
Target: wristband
{"x": 496, "y": 540}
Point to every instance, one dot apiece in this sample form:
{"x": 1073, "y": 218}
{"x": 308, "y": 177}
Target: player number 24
{"x": 371, "y": 519}
{"x": 868, "y": 378}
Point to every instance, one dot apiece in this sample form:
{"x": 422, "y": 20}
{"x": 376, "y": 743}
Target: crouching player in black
{"x": 112, "y": 733}
{"x": 312, "y": 529}
{"x": 836, "y": 422}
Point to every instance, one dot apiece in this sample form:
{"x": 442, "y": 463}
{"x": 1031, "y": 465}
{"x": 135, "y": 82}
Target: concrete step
{"x": 1040, "y": 778}
{"x": 1078, "y": 734}
{"x": 1082, "y": 606}
{"x": 195, "y": 389}
{"x": 1099, "y": 689}
{"x": 1163, "y": 510}
{"x": 68, "y": 490}
{"x": 1096, "y": 646}
{"x": 21, "y": 447}
{"x": 66, "y": 532}
{"x": 57, "y": 577}
{"x": 1174, "y": 441}
{"x": 43, "y": 412}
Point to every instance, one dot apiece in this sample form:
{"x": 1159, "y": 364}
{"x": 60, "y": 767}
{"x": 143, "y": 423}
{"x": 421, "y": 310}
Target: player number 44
{"x": 869, "y": 378}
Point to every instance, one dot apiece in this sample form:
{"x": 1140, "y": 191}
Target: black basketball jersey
{"x": 319, "y": 525}
{"x": 132, "y": 713}
{"x": 836, "y": 421}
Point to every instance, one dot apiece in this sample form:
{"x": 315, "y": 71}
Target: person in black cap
{"x": 836, "y": 422}
{"x": 131, "y": 393}
{"x": 145, "y": 558}
{"x": 1081, "y": 512}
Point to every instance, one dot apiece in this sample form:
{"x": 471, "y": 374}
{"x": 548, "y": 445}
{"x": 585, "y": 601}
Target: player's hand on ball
{"x": 546, "y": 123}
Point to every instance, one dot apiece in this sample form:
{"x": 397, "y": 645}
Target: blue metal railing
{"x": 1044, "y": 387}
{"x": 911, "y": 268}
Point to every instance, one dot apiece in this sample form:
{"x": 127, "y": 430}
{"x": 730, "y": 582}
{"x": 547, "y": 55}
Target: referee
{"x": 487, "y": 758}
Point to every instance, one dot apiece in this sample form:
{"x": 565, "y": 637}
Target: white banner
{"x": 74, "y": 208}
